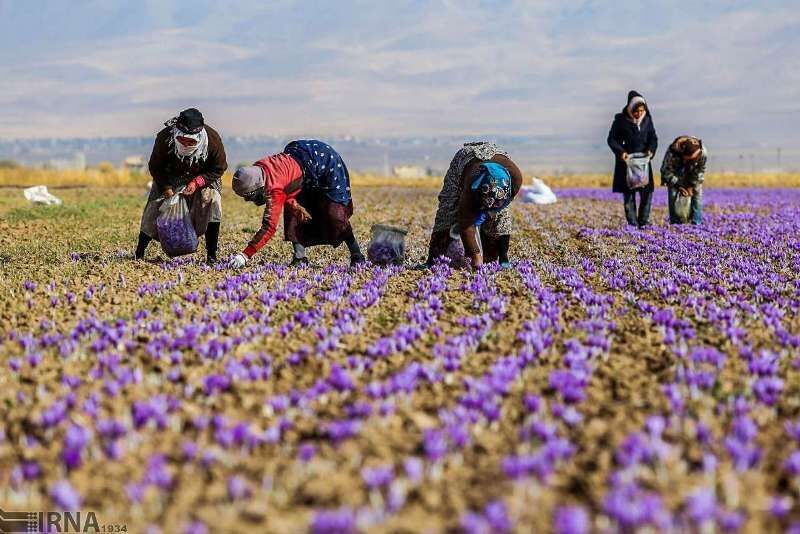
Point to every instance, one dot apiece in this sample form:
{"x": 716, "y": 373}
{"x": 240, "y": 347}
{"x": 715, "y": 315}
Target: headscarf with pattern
{"x": 493, "y": 185}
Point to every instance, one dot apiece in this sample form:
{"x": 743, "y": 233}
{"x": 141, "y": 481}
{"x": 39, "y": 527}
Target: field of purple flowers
{"x": 613, "y": 380}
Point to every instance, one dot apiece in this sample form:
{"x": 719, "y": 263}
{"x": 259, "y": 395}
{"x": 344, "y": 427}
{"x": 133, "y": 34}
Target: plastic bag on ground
{"x": 538, "y": 193}
{"x": 39, "y": 194}
{"x": 638, "y": 173}
{"x": 387, "y": 245}
{"x": 683, "y": 207}
{"x": 175, "y": 229}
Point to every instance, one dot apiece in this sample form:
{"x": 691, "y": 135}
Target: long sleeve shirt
{"x": 676, "y": 173}
{"x": 169, "y": 171}
{"x": 283, "y": 181}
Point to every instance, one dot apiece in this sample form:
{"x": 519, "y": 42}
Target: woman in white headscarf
{"x": 187, "y": 155}
{"x": 633, "y": 132}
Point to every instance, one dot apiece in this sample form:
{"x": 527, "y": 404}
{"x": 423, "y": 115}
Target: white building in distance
{"x": 410, "y": 171}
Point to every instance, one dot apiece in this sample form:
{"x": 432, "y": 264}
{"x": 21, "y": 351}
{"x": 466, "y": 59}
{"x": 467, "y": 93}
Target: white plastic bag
{"x": 638, "y": 172}
{"x": 683, "y": 208}
{"x": 387, "y": 245}
{"x": 175, "y": 229}
{"x": 39, "y": 194}
{"x": 538, "y": 193}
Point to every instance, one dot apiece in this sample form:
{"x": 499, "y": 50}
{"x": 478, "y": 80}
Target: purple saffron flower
{"x": 631, "y": 507}
{"x": 196, "y": 527}
{"x": 306, "y": 452}
{"x": 377, "y": 477}
{"x": 768, "y": 389}
{"x": 744, "y": 455}
{"x": 414, "y": 469}
{"x": 339, "y": 521}
{"x": 75, "y": 440}
{"x": 635, "y": 449}
{"x": 157, "y": 473}
{"x": 189, "y": 450}
{"x": 472, "y": 523}
{"x": 729, "y": 520}
{"x": 744, "y": 429}
{"x": 340, "y": 379}
{"x": 675, "y": 397}
{"x": 341, "y": 430}
{"x": 793, "y": 429}
{"x": 792, "y": 464}
{"x": 30, "y": 469}
{"x": 532, "y": 403}
{"x": 701, "y": 505}
{"x": 496, "y": 516}
{"x": 571, "y": 520}
{"x": 135, "y": 491}
{"x": 238, "y": 488}
{"x": 65, "y": 496}
{"x": 656, "y": 425}
{"x": 780, "y": 506}
{"x": 703, "y": 434}
{"x": 435, "y": 444}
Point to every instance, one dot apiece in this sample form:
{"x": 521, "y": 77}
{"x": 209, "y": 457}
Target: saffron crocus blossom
{"x": 571, "y": 520}
{"x": 377, "y": 477}
{"x": 238, "y": 488}
{"x": 340, "y": 521}
{"x": 701, "y": 505}
{"x": 65, "y": 496}
{"x": 306, "y": 452}
{"x": 75, "y": 440}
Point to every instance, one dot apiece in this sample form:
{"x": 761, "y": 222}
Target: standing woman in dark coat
{"x": 632, "y": 131}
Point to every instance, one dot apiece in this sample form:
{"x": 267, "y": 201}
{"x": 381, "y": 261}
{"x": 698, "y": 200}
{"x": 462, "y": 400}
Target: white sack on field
{"x": 39, "y": 194}
{"x": 538, "y": 193}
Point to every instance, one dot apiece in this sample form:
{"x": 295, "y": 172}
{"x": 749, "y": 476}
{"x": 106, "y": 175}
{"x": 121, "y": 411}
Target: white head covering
{"x": 635, "y": 101}
{"x": 198, "y": 152}
{"x": 247, "y": 179}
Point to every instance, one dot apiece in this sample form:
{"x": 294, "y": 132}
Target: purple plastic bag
{"x": 387, "y": 245}
{"x": 638, "y": 174}
{"x": 175, "y": 229}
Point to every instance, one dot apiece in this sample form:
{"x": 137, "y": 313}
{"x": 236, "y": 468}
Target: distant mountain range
{"x": 535, "y": 155}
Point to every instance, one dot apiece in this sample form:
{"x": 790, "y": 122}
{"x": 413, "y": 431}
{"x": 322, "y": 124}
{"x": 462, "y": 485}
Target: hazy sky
{"x": 728, "y": 70}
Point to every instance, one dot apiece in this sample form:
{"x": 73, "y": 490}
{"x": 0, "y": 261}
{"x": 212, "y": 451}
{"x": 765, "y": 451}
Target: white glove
{"x": 237, "y": 261}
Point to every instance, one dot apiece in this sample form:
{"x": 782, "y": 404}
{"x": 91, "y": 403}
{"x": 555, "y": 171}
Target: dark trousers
{"x": 645, "y": 200}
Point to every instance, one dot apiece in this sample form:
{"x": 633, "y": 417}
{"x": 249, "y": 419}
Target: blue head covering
{"x": 493, "y": 185}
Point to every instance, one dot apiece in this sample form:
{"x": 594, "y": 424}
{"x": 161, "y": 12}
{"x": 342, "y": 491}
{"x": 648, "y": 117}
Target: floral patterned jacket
{"x": 674, "y": 173}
